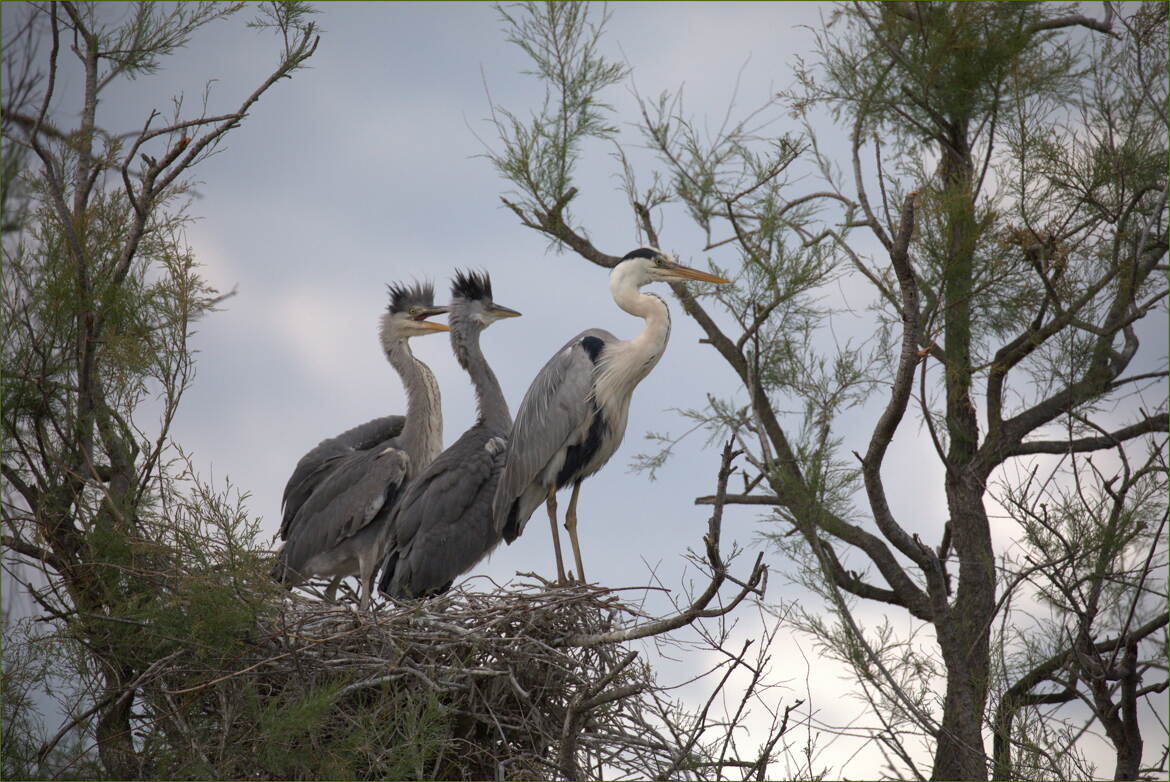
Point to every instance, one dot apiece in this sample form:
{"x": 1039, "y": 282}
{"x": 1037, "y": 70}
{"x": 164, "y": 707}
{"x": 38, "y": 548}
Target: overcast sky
{"x": 366, "y": 169}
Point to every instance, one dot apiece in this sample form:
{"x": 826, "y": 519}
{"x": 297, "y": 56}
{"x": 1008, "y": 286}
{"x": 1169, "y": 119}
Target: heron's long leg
{"x": 551, "y": 504}
{"x": 331, "y": 590}
{"x": 571, "y": 526}
{"x": 367, "y": 586}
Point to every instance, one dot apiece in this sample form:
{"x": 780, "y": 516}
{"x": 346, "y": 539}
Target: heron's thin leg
{"x": 367, "y": 569}
{"x": 571, "y": 526}
{"x": 331, "y": 590}
{"x": 367, "y": 591}
{"x": 551, "y": 504}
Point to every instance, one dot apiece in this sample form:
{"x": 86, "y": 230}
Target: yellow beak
{"x": 426, "y": 324}
{"x": 678, "y": 272}
{"x": 500, "y": 311}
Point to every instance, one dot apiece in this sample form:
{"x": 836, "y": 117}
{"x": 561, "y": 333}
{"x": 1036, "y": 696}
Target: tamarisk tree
{"x": 1000, "y": 190}
{"x": 100, "y": 295}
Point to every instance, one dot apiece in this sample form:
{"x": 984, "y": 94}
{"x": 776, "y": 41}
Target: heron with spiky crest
{"x": 443, "y": 525}
{"x": 339, "y": 497}
{"x": 573, "y": 417}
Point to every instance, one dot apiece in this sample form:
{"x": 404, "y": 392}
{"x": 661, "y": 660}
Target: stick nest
{"x": 502, "y": 684}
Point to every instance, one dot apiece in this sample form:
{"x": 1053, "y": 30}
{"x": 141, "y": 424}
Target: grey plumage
{"x": 315, "y": 466}
{"x": 573, "y": 417}
{"x": 556, "y": 415}
{"x": 443, "y": 525}
{"x": 340, "y": 494}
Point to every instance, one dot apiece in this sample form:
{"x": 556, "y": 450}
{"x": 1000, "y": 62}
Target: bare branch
{"x": 754, "y": 584}
{"x": 1150, "y": 424}
{"x": 1076, "y": 20}
{"x": 552, "y": 223}
{"x": 887, "y": 424}
{"x": 740, "y": 499}
{"x": 31, "y": 551}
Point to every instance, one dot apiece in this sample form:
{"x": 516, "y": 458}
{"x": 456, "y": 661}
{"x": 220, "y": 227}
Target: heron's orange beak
{"x": 676, "y": 272}
{"x": 500, "y": 311}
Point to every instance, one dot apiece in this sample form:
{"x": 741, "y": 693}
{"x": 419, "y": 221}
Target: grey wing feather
{"x": 360, "y": 487}
{"x": 315, "y": 466}
{"x": 557, "y": 405}
{"x": 443, "y": 525}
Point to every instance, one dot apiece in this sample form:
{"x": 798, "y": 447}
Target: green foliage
{"x": 194, "y": 587}
{"x": 938, "y": 67}
{"x": 22, "y": 725}
{"x": 145, "y": 565}
{"x": 33, "y": 680}
{"x": 291, "y": 18}
{"x": 145, "y": 311}
{"x": 1006, "y": 203}
{"x": 308, "y": 735}
{"x": 294, "y": 746}
{"x": 539, "y": 153}
{"x": 154, "y": 32}
{"x": 307, "y": 730}
{"x": 1098, "y": 529}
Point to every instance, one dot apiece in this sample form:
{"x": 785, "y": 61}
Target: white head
{"x": 649, "y": 264}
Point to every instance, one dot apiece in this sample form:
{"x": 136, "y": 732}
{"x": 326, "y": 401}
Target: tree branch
{"x": 740, "y": 499}
{"x": 1017, "y": 696}
{"x": 756, "y": 581}
{"x": 891, "y": 417}
{"x": 552, "y": 222}
{"x": 31, "y": 495}
{"x": 1076, "y": 20}
{"x": 23, "y": 547}
{"x": 852, "y": 583}
{"x": 1155, "y": 423}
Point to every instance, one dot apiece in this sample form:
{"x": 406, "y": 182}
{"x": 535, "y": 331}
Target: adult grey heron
{"x": 443, "y": 524}
{"x": 340, "y": 493}
{"x": 574, "y": 415}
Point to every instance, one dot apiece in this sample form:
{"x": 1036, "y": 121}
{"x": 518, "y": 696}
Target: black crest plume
{"x": 472, "y": 285}
{"x": 403, "y": 297}
{"x": 649, "y": 253}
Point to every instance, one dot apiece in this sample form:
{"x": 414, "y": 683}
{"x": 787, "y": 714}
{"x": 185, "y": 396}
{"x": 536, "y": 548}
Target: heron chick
{"x": 341, "y": 492}
{"x": 573, "y": 417}
{"x": 443, "y": 526}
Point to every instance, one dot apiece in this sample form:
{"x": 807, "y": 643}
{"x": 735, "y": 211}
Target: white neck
{"x": 634, "y": 358}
